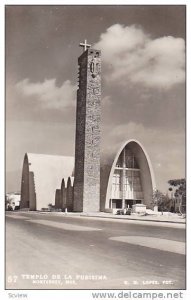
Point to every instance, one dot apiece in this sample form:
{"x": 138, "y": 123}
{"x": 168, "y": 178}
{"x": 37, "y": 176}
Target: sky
{"x": 143, "y": 81}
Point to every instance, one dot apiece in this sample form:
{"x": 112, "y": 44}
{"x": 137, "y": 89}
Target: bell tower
{"x": 87, "y": 146}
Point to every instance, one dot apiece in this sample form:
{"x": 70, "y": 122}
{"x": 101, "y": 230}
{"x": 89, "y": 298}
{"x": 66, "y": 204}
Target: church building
{"x": 92, "y": 181}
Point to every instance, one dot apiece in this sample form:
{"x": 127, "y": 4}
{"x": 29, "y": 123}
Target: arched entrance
{"x": 131, "y": 179}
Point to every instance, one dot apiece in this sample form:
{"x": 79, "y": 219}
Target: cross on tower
{"x": 85, "y": 45}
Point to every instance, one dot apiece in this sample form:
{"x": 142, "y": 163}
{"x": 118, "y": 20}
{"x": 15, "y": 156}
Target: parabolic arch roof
{"x": 42, "y": 175}
{"x": 108, "y": 162}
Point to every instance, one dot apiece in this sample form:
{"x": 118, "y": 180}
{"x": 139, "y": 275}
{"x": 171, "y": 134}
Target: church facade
{"x": 127, "y": 177}
{"x": 92, "y": 181}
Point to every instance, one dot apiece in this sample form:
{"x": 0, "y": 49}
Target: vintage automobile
{"x": 124, "y": 211}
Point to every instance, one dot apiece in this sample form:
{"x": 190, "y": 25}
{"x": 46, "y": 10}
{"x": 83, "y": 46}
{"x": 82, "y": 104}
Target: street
{"x": 48, "y": 251}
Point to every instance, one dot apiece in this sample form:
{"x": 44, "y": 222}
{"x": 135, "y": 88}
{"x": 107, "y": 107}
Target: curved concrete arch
{"x": 41, "y": 177}
{"x": 63, "y": 192}
{"x": 70, "y": 193}
{"x": 58, "y": 199}
{"x": 147, "y": 174}
{"x": 25, "y": 184}
{"x": 28, "y": 191}
{"x": 63, "y": 185}
{"x": 70, "y": 181}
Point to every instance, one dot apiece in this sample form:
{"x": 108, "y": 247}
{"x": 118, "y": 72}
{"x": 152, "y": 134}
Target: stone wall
{"x": 87, "y": 151}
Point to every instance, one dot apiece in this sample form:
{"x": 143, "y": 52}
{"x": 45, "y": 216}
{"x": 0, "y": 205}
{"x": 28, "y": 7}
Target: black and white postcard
{"x": 95, "y": 150}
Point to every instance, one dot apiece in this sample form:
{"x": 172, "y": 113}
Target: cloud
{"x": 132, "y": 56}
{"x": 48, "y": 94}
{"x": 106, "y": 101}
{"x": 155, "y": 139}
{"x": 163, "y": 148}
{"x": 141, "y": 132}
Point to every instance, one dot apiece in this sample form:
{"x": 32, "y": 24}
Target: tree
{"x": 180, "y": 192}
{"x": 161, "y": 200}
{"x": 157, "y": 197}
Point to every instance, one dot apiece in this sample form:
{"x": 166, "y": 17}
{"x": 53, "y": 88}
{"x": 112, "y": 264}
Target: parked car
{"x": 120, "y": 212}
{"x": 126, "y": 211}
